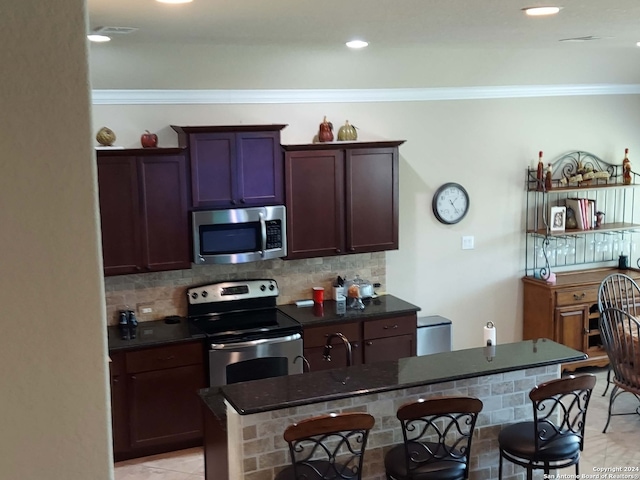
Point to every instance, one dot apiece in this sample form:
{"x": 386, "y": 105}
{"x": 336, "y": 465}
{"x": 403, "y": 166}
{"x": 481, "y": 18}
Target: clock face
{"x": 450, "y": 203}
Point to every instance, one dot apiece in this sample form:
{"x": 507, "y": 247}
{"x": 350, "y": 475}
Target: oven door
{"x": 255, "y": 359}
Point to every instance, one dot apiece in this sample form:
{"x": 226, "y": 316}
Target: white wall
{"x": 484, "y": 144}
{"x": 54, "y": 402}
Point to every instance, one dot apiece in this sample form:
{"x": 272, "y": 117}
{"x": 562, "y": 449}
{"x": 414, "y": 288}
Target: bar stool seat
{"x": 327, "y": 447}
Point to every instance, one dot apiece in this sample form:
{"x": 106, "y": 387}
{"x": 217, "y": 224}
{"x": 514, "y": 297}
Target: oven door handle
{"x": 253, "y": 343}
{"x": 263, "y": 233}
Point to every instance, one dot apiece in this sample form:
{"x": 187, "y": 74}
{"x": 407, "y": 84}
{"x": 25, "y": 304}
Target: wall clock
{"x": 450, "y": 203}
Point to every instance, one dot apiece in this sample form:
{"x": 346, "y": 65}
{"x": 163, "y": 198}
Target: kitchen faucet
{"x": 326, "y": 354}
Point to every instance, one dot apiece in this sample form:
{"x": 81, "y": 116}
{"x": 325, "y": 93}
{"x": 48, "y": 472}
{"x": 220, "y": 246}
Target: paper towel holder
{"x": 489, "y": 341}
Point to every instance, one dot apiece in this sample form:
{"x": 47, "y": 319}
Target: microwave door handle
{"x": 263, "y": 233}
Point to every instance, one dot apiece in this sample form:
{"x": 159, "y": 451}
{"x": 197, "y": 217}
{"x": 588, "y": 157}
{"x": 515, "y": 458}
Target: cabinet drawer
{"x": 164, "y": 357}
{"x": 317, "y": 336}
{"x": 587, "y": 295}
{"x": 389, "y": 327}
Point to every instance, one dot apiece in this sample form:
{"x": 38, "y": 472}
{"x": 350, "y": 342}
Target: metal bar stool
{"x": 555, "y": 437}
{"x": 437, "y": 435}
{"x": 327, "y": 447}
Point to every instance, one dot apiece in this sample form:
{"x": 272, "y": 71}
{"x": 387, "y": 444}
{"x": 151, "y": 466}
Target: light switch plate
{"x": 468, "y": 242}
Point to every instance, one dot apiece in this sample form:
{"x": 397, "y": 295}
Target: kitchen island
{"x": 257, "y": 413}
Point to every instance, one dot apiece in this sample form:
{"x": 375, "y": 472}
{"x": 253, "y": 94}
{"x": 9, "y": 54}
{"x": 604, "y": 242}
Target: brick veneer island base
{"x": 258, "y": 412}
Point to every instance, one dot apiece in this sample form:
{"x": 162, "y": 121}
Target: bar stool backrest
{"x": 438, "y": 429}
{"x": 329, "y": 446}
{"x": 560, "y": 409}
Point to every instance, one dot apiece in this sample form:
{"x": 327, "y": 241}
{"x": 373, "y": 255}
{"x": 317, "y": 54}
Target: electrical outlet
{"x": 145, "y": 308}
{"x": 468, "y": 242}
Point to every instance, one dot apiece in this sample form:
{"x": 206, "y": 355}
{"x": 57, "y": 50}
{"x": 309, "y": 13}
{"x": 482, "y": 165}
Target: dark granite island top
{"x": 382, "y": 306}
{"x": 315, "y": 387}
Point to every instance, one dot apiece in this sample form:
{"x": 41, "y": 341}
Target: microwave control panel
{"x": 274, "y": 234}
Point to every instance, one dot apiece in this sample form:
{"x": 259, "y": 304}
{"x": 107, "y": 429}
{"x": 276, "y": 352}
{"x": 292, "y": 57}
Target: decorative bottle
{"x": 626, "y": 168}
{"x": 540, "y": 173}
{"x": 547, "y": 179}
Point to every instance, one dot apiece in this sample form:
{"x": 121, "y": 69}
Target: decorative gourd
{"x": 105, "y": 136}
{"x": 325, "y": 134}
{"x": 347, "y": 132}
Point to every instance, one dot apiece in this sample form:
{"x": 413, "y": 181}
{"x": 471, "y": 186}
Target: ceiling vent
{"x": 113, "y": 30}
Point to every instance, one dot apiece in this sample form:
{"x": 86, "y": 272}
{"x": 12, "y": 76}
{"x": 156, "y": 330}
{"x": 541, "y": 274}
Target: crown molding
{"x": 186, "y": 97}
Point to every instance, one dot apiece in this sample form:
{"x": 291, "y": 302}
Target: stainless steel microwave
{"x": 239, "y": 235}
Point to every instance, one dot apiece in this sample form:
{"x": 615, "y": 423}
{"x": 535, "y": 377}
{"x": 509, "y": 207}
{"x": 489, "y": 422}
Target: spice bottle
{"x": 626, "y": 168}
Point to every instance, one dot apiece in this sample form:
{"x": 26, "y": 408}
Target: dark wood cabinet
{"x": 234, "y": 166}
{"x": 143, "y": 210}
{"x": 119, "y": 410}
{"x": 371, "y": 339}
{"x": 341, "y": 199}
{"x": 567, "y": 312}
{"x": 155, "y": 403}
{"x": 389, "y": 338}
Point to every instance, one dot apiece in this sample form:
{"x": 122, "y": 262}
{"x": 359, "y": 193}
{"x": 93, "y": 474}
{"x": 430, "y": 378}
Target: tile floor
{"x": 617, "y": 448}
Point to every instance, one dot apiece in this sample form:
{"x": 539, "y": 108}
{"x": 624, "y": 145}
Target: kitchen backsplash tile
{"x": 165, "y": 291}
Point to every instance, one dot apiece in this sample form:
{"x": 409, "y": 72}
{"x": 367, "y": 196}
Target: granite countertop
{"x": 315, "y": 387}
{"x": 382, "y": 306}
{"x": 155, "y": 332}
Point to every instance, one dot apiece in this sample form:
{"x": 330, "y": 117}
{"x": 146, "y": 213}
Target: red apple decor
{"x": 148, "y": 139}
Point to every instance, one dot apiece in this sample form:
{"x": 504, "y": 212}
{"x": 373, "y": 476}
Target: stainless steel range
{"x": 248, "y": 337}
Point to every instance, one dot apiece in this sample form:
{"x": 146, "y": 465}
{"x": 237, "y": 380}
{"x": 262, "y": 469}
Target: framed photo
{"x": 558, "y": 219}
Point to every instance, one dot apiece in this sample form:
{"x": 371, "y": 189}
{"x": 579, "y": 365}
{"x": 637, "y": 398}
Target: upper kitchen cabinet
{"x": 143, "y": 210}
{"x": 234, "y": 166}
{"x": 341, "y": 198}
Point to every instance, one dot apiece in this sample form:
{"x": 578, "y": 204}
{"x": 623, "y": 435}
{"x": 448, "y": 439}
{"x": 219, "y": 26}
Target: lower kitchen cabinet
{"x": 155, "y": 403}
{"x": 371, "y": 340}
{"x": 389, "y": 338}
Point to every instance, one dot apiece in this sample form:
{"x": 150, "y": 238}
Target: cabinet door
{"x": 571, "y": 326}
{"x": 119, "y": 213}
{"x": 389, "y": 348}
{"x": 372, "y": 199}
{"x": 315, "y": 203}
{"x": 119, "y": 410}
{"x": 260, "y": 169}
{"x": 164, "y": 222}
{"x": 165, "y": 406}
{"x": 213, "y": 161}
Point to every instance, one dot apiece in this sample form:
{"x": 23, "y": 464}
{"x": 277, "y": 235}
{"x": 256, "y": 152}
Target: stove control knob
{"x": 271, "y": 287}
{"x": 205, "y": 293}
{"x": 262, "y": 288}
{"x": 194, "y": 295}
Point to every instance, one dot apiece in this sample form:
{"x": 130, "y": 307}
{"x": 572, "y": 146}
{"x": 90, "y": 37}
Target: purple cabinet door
{"x": 236, "y": 169}
{"x": 260, "y": 168}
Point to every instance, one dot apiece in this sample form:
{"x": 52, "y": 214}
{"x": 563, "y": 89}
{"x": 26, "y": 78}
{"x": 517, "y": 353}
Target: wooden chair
{"x": 618, "y": 291}
{"x": 327, "y": 447}
{"x": 555, "y": 437}
{"x": 620, "y": 334}
{"x": 437, "y": 436}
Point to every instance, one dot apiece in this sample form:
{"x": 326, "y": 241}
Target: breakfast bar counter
{"x": 258, "y": 412}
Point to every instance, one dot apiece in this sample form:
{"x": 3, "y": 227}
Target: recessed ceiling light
{"x": 357, "y": 44}
{"x": 638, "y": 44}
{"x": 539, "y": 11}
{"x": 98, "y": 38}
{"x": 174, "y": 1}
